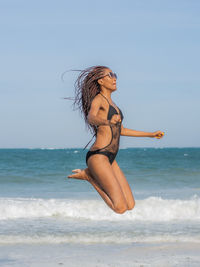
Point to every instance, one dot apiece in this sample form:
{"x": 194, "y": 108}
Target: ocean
{"x": 40, "y": 205}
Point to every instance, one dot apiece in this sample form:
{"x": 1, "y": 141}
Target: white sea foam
{"x": 152, "y": 209}
{"x": 95, "y": 238}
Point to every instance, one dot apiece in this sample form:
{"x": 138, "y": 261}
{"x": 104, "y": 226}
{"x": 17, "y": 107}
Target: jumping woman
{"x": 93, "y": 89}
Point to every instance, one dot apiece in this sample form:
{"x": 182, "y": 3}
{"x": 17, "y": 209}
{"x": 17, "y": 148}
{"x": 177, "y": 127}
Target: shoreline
{"x": 99, "y": 255}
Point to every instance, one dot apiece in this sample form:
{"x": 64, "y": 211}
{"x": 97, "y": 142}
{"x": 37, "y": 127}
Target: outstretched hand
{"x": 158, "y": 134}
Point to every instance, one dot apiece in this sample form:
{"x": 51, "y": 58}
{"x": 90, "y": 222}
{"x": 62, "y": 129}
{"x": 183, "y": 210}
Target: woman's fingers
{"x": 115, "y": 119}
{"x": 159, "y": 134}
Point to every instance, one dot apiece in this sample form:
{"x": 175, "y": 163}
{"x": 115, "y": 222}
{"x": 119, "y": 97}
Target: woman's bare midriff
{"x": 104, "y": 136}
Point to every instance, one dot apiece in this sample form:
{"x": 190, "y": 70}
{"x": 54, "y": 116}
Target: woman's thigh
{"x": 124, "y": 184}
{"x": 102, "y": 172}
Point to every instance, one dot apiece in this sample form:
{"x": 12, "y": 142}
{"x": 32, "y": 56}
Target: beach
{"x": 138, "y": 255}
{"x": 49, "y": 220}
{"x": 115, "y": 77}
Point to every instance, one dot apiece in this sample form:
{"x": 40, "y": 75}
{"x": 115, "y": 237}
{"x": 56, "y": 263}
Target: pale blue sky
{"x": 153, "y": 46}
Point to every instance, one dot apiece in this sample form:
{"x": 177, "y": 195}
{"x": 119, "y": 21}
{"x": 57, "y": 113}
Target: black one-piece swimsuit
{"x": 112, "y": 148}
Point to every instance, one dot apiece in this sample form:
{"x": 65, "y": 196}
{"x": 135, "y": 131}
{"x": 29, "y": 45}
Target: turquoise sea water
{"x": 38, "y": 204}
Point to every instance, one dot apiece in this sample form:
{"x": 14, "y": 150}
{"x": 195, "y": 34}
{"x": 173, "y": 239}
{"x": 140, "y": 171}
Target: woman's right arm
{"x": 92, "y": 117}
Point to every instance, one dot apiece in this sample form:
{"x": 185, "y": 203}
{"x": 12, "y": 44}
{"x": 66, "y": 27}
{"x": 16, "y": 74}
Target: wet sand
{"x": 99, "y": 255}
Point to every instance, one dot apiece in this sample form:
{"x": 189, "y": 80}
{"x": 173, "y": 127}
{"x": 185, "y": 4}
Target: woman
{"x": 94, "y": 87}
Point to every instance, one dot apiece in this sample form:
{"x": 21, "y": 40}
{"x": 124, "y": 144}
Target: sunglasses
{"x": 111, "y": 75}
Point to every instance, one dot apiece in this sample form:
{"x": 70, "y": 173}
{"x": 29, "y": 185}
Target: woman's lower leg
{"x": 86, "y": 175}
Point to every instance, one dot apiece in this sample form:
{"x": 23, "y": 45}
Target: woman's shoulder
{"x": 98, "y": 99}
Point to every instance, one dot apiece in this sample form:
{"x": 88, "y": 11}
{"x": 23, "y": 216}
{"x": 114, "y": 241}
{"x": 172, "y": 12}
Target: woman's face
{"x": 109, "y": 80}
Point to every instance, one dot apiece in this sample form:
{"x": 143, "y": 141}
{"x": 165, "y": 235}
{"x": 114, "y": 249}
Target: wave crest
{"x": 149, "y": 209}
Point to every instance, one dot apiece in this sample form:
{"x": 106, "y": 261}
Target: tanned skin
{"x": 108, "y": 179}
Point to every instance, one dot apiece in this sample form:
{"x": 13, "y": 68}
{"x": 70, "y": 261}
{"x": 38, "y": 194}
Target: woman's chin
{"x": 112, "y": 89}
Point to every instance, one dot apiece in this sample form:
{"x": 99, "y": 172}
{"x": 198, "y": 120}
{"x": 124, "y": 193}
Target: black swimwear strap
{"x": 89, "y": 142}
{"x": 109, "y": 103}
{"x": 105, "y": 98}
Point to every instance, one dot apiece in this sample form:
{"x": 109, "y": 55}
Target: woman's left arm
{"x": 134, "y": 133}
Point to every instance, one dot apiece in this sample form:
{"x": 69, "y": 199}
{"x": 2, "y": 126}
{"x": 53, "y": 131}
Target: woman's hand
{"x": 115, "y": 119}
{"x": 158, "y": 134}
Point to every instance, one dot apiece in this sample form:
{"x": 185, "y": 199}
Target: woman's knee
{"x": 120, "y": 207}
{"x": 131, "y": 204}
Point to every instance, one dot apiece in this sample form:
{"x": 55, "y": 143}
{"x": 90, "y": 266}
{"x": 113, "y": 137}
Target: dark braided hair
{"x": 86, "y": 88}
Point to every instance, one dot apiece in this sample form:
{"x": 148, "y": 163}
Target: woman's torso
{"x": 107, "y": 137}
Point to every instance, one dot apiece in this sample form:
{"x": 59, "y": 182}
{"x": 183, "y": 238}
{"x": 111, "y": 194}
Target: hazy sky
{"x": 153, "y": 46}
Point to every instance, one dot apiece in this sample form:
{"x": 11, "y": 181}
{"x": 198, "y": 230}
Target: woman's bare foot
{"x": 80, "y": 174}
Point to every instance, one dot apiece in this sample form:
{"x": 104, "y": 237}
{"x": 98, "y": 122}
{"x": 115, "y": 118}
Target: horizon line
{"x": 54, "y": 148}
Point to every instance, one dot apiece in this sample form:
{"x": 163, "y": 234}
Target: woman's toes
{"x": 78, "y": 174}
{"x": 76, "y": 170}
